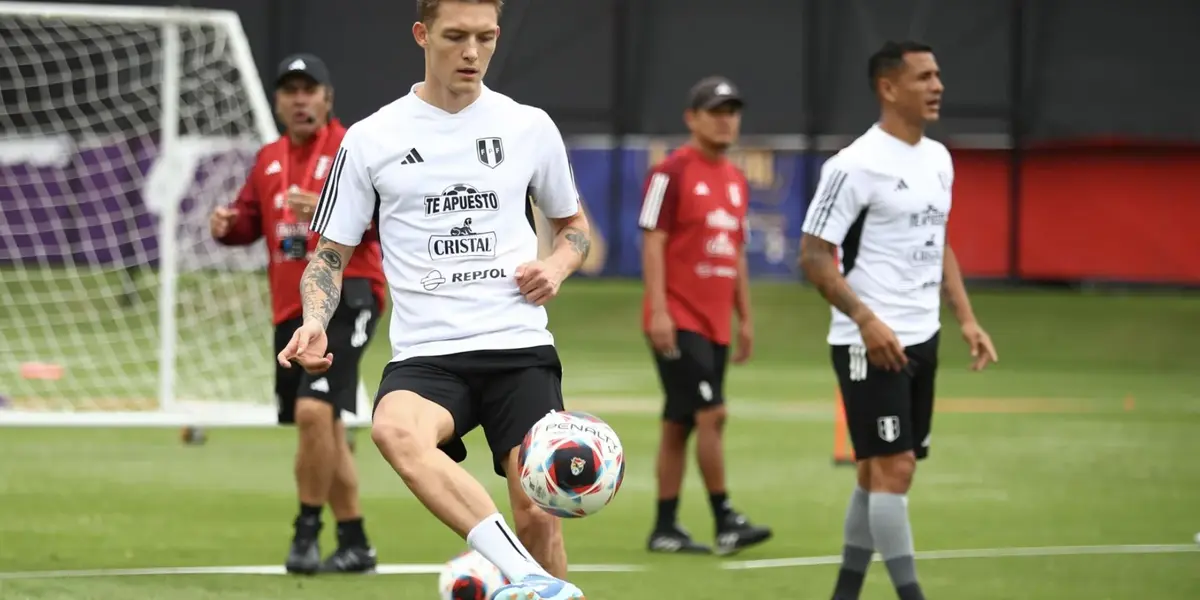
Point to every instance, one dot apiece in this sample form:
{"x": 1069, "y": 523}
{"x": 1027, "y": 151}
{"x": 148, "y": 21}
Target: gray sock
{"x": 859, "y": 546}
{"x": 892, "y": 534}
{"x": 857, "y": 549}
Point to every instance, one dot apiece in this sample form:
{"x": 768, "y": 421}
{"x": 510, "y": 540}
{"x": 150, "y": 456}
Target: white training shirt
{"x": 886, "y": 204}
{"x": 452, "y": 193}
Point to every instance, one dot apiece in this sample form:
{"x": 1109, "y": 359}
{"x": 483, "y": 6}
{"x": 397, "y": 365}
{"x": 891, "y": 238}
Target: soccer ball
{"x": 572, "y": 464}
{"x": 459, "y": 188}
{"x": 469, "y": 576}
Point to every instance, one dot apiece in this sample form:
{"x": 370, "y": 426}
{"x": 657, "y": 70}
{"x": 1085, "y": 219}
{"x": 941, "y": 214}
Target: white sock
{"x": 496, "y": 542}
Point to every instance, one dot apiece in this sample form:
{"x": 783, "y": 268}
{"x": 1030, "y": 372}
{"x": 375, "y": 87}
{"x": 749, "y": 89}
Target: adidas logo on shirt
{"x": 901, "y": 186}
{"x": 413, "y": 157}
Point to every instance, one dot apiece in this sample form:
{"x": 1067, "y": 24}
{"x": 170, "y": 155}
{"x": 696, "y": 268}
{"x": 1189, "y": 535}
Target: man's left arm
{"x": 741, "y": 295}
{"x": 741, "y": 305}
{"x": 954, "y": 291}
{"x": 572, "y": 241}
{"x": 741, "y": 298}
{"x": 555, "y": 194}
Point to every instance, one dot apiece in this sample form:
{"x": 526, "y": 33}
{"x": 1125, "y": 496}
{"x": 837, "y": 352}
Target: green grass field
{"x": 1085, "y": 434}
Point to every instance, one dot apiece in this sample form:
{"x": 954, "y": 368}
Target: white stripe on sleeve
{"x": 329, "y": 194}
{"x": 652, "y": 203}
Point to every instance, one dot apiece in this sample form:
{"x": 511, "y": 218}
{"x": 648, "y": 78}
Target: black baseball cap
{"x": 711, "y": 92}
{"x": 304, "y": 64}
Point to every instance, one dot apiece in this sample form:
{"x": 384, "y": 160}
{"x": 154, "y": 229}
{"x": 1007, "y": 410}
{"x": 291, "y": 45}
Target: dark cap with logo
{"x": 304, "y": 64}
{"x": 711, "y": 92}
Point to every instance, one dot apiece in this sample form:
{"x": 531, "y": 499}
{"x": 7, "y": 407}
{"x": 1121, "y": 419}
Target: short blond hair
{"x": 427, "y": 10}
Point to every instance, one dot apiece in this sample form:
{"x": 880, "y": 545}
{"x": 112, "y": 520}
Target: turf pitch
{"x": 1084, "y": 435}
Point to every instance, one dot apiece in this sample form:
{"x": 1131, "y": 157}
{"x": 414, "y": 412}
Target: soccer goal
{"x": 121, "y": 128}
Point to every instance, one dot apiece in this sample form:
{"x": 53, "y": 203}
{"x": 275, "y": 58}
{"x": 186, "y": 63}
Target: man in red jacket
{"x": 693, "y": 219}
{"x": 277, "y": 203}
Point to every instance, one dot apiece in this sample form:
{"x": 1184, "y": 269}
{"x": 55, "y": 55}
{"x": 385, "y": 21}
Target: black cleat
{"x": 304, "y": 558}
{"x": 737, "y": 532}
{"x": 350, "y": 559}
{"x": 675, "y": 541}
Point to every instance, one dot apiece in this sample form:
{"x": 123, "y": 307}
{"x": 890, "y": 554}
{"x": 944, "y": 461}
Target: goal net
{"x": 121, "y": 129}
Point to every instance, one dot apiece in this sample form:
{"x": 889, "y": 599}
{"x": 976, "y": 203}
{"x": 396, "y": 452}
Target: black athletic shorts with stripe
{"x": 503, "y": 391}
{"x": 693, "y": 380}
{"x": 350, "y": 330}
{"x": 888, "y": 412}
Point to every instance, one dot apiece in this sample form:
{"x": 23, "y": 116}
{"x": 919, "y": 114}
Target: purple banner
{"x": 74, "y": 206}
{"x": 65, "y": 206}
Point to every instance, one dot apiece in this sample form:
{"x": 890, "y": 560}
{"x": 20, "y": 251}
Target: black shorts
{"x": 503, "y": 391}
{"x": 349, "y": 331}
{"x": 695, "y": 379}
{"x": 888, "y": 412}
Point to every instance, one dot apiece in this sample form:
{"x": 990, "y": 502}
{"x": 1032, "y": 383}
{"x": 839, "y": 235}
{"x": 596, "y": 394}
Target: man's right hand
{"x": 222, "y": 221}
{"x": 883, "y": 347}
{"x": 308, "y": 349}
{"x": 303, "y": 203}
{"x": 662, "y": 334}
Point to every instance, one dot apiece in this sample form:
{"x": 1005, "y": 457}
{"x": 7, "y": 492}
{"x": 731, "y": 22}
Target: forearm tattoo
{"x": 841, "y": 296}
{"x": 818, "y": 263}
{"x": 320, "y": 286}
{"x": 579, "y": 241}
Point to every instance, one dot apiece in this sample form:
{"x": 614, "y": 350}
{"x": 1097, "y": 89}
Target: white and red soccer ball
{"x": 572, "y": 464}
{"x": 469, "y": 576}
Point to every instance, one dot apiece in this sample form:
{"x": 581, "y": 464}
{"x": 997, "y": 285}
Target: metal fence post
{"x": 620, "y": 117}
{"x": 812, "y": 113}
{"x": 1016, "y": 133}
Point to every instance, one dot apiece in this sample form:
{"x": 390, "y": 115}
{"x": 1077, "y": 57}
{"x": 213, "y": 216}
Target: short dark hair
{"x": 427, "y": 10}
{"x": 891, "y": 57}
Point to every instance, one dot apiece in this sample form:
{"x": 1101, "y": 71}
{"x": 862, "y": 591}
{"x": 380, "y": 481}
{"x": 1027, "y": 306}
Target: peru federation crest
{"x": 889, "y": 428}
{"x": 490, "y": 151}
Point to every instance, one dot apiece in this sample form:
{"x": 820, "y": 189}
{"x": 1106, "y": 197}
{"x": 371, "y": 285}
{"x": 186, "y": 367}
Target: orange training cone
{"x": 843, "y": 454}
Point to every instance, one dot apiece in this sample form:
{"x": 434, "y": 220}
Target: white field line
{"x": 1122, "y": 549}
{"x": 427, "y": 569}
{"x": 431, "y": 569}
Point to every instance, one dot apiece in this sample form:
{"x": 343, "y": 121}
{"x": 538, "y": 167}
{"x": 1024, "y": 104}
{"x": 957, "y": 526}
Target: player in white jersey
{"x": 447, "y": 174}
{"x": 885, "y": 201}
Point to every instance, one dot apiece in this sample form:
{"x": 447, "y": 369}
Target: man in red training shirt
{"x": 694, "y": 266}
{"x": 277, "y": 203}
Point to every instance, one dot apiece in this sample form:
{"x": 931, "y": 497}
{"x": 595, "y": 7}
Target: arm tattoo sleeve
{"x": 320, "y": 286}
{"x": 817, "y": 261}
{"x": 579, "y": 240}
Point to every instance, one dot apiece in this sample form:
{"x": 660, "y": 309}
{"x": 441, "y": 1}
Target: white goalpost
{"x": 121, "y": 128}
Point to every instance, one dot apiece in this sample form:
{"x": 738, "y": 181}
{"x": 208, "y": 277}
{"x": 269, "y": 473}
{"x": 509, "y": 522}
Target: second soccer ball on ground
{"x": 469, "y": 576}
{"x": 572, "y": 464}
